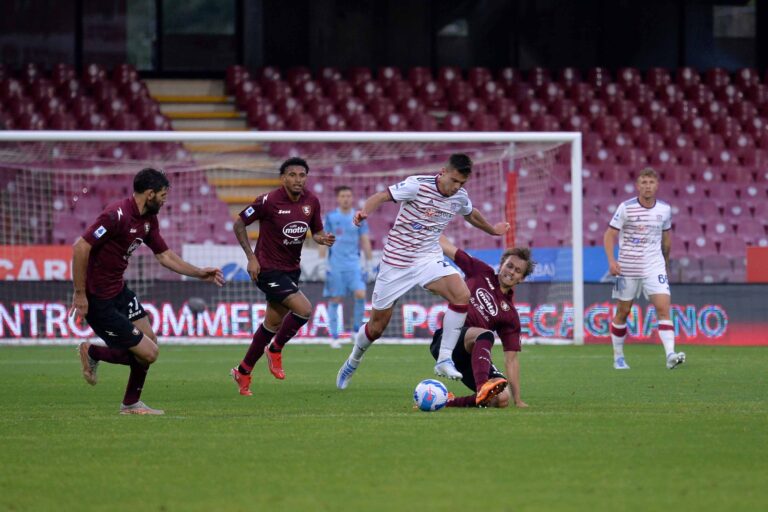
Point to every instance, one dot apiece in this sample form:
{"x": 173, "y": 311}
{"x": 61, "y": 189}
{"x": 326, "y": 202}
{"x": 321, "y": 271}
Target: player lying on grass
{"x": 113, "y": 311}
{"x": 412, "y": 257}
{"x": 491, "y": 309}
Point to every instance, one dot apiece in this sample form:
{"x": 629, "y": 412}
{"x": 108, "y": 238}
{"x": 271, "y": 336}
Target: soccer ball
{"x": 430, "y": 395}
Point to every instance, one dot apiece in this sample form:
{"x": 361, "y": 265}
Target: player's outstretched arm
{"x": 609, "y": 244}
{"x": 370, "y": 206}
{"x": 476, "y": 219}
{"x": 173, "y": 261}
{"x": 81, "y": 251}
{"x": 448, "y": 248}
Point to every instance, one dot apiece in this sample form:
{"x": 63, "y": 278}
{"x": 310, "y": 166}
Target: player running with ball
{"x": 412, "y": 256}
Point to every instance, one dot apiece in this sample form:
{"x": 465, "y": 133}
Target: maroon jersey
{"x": 114, "y": 236}
{"x": 283, "y": 226}
{"x": 489, "y": 307}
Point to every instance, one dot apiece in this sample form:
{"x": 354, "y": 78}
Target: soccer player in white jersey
{"x": 642, "y": 226}
{"x": 412, "y": 256}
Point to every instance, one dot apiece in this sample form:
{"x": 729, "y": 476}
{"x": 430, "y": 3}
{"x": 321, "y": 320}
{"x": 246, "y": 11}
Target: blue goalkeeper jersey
{"x": 345, "y": 252}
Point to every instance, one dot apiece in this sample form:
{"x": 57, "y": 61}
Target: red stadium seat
{"x": 568, "y": 76}
{"x": 114, "y": 107}
{"x": 458, "y": 93}
{"x": 423, "y": 122}
{"x": 610, "y": 93}
{"x": 268, "y": 74}
{"x": 636, "y": 126}
{"x": 532, "y": 107}
{"x": 669, "y": 94}
{"x": 717, "y": 78}
{"x": 94, "y": 121}
{"x": 433, "y": 96}
{"x": 472, "y": 107}
{"x": 350, "y": 106}
{"x": 606, "y": 126}
{"x": 575, "y": 123}
{"x": 631, "y": 157}
{"x": 723, "y": 157}
{"x": 484, "y": 123}
{"x": 727, "y": 127}
{"x": 394, "y": 123}
{"x": 740, "y": 141}
{"x": 276, "y": 89}
{"x": 62, "y": 72}
{"x": 381, "y": 107}
{"x": 319, "y": 107}
{"x": 256, "y": 108}
{"x": 368, "y": 91}
{"x": 328, "y": 74}
{"x": 10, "y": 89}
{"x": 696, "y": 127}
{"x": 30, "y": 121}
{"x": 418, "y": 76}
{"x": 455, "y": 122}
{"x": 42, "y": 90}
{"x": 730, "y": 95}
{"x": 22, "y": 105}
{"x": 104, "y": 92}
{"x": 687, "y": 76}
{"x": 598, "y": 77}
{"x": 562, "y": 109}
{"x": 270, "y": 122}
{"x": 124, "y": 121}
{"x": 650, "y": 142}
{"x": 700, "y": 95}
{"x": 744, "y": 112}
{"x": 287, "y": 107}
{"x": 93, "y": 74}
{"x": 521, "y": 91}
{"x": 622, "y": 110}
{"x": 297, "y": 75}
{"x": 619, "y": 140}
{"x": 299, "y": 121}
{"x": 477, "y": 77}
{"x": 538, "y": 76}
{"x": 507, "y": 76}
{"x": 388, "y": 74}
{"x": 244, "y": 90}
{"x": 234, "y": 75}
{"x": 157, "y": 122}
{"x": 653, "y": 110}
{"x": 124, "y": 73}
{"x": 331, "y": 122}
{"x": 62, "y": 121}
{"x": 515, "y": 123}
{"x": 628, "y": 76}
{"x": 550, "y": 92}
{"x": 667, "y": 127}
{"x": 580, "y": 93}
{"x": 657, "y": 78}
{"x": 308, "y": 90}
{"x": 639, "y": 94}
{"x": 710, "y": 142}
{"x": 339, "y": 91}
{"x": 411, "y": 106}
{"x": 593, "y": 109}
{"x": 70, "y": 89}
{"x": 30, "y": 73}
{"x": 399, "y": 91}
{"x": 447, "y": 75}
{"x": 490, "y": 91}
{"x": 51, "y": 106}
{"x": 362, "y": 122}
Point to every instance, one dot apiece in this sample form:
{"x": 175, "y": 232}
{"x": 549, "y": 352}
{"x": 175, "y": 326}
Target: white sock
{"x": 618, "y": 335}
{"x": 362, "y": 342}
{"x": 667, "y": 335}
{"x": 453, "y": 321}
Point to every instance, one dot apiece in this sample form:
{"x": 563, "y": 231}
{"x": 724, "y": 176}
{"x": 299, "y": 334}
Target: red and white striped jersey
{"x": 640, "y": 234}
{"x": 424, "y": 214}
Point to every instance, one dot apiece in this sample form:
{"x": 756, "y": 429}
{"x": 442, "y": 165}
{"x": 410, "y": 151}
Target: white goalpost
{"x": 53, "y": 184}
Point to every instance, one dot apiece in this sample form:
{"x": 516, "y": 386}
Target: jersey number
{"x": 663, "y": 278}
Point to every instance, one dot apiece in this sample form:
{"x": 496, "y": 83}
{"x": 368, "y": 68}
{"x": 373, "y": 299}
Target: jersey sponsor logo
{"x": 249, "y": 211}
{"x": 504, "y": 306}
{"x": 295, "y": 229}
{"x": 134, "y": 245}
{"x": 306, "y": 209}
{"x": 455, "y": 206}
{"x": 99, "y": 231}
{"x": 486, "y": 299}
{"x": 490, "y": 284}
{"x": 283, "y": 212}
{"x": 416, "y": 226}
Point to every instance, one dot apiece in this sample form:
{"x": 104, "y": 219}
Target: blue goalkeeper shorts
{"x": 340, "y": 283}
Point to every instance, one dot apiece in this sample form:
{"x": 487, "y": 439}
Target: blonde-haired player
{"x": 642, "y": 226}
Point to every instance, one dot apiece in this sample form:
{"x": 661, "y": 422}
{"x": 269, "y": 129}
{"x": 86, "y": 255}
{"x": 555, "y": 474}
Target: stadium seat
{"x": 21, "y": 105}
{"x": 490, "y": 91}
{"x": 653, "y": 110}
{"x": 657, "y": 77}
{"x": 580, "y": 93}
{"x": 338, "y": 90}
{"x": 432, "y": 94}
{"x": 649, "y": 141}
{"x": 729, "y": 95}
{"x": 486, "y": 123}
{"x": 635, "y": 126}
{"x": 62, "y": 121}
{"x": 610, "y": 93}
{"x": 472, "y": 107}
{"x": 30, "y": 121}
{"x": 368, "y": 91}
{"x": 629, "y": 156}
{"x": 628, "y": 76}
{"x": 446, "y": 75}
{"x": 727, "y": 127}
{"x": 532, "y": 107}
{"x": 125, "y": 121}
{"x": 670, "y": 94}
{"x": 477, "y": 77}
{"x": 455, "y": 122}
{"x": 501, "y": 107}
{"x": 538, "y": 76}
{"x": 270, "y": 122}
{"x": 411, "y": 106}
{"x": 717, "y": 78}
{"x": 297, "y": 75}
{"x": 551, "y": 92}
{"x": 299, "y": 121}
{"x": 399, "y": 91}
{"x": 10, "y": 89}
{"x": 124, "y": 73}
{"x": 233, "y": 76}
{"x": 93, "y": 74}
{"x": 423, "y": 122}
{"x": 360, "y": 121}
{"x": 268, "y": 74}
{"x": 275, "y": 90}
{"x": 593, "y": 109}
{"x": 750, "y": 231}
{"x": 418, "y": 76}
{"x": 62, "y": 72}
{"x": 507, "y": 76}
{"x": 743, "y": 112}
{"x": 575, "y": 123}
{"x": 157, "y": 122}
{"x": 244, "y": 91}
{"x": 568, "y": 76}
{"x": 622, "y": 110}
{"x": 515, "y": 122}
{"x": 51, "y": 106}
{"x": 746, "y": 77}
{"x": 709, "y": 142}
{"x": 606, "y": 126}
{"x": 683, "y": 110}
{"x": 598, "y": 76}
{"x": 308, "y": 90}
{"x": 687, "y": 76}
{"x": 388, "y": 74}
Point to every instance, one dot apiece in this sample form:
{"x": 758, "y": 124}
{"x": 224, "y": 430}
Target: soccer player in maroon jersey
{"x": 113, "y": 311}
{"x": 491, "y": 310}
{"x": 285, "y": 216}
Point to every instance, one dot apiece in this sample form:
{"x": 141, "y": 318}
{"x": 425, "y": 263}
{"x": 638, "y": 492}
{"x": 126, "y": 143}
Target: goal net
{"x": 53, "y": 185}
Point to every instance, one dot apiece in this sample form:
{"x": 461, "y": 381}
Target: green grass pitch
{"x": 593, "y": 439}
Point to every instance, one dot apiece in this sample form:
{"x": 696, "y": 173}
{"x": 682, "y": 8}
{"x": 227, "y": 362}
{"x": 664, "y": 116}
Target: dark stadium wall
{"x": 344, "y": 33}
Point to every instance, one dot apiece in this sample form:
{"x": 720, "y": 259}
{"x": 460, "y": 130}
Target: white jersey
{"x": 424, "y": 214}
{"x": 640, "y": 235}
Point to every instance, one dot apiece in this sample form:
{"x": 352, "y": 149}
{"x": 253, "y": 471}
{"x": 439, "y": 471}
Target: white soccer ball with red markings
{"x": 430, "y": 395}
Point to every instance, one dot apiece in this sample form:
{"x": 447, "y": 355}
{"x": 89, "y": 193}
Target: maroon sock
{"x": 291, "y": 325}
{"x": 110, "y": 355}
{"x": 462, "y": 401}
{"x": 136, "y": 379}
{"x": 261, "y": 339}
{"x": 481, "y": 358}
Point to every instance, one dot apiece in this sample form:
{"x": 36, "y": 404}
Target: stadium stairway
{"x": 202, "y": 105}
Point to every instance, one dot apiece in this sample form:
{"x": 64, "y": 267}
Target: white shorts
{"x": 392, "y": 282}
{"x": 629, "y": 288}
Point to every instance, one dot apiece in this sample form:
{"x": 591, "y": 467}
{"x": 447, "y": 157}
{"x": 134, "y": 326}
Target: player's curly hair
{"x": 294, "y": 161}
{"x": 150, "y": 179}
{"x": 524, "y": 254}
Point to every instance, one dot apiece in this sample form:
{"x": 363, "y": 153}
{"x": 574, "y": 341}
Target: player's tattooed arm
{"x": 242, "y": 237}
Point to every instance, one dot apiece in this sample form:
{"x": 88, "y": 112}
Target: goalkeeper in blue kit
{"x": 344, "y": 273}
